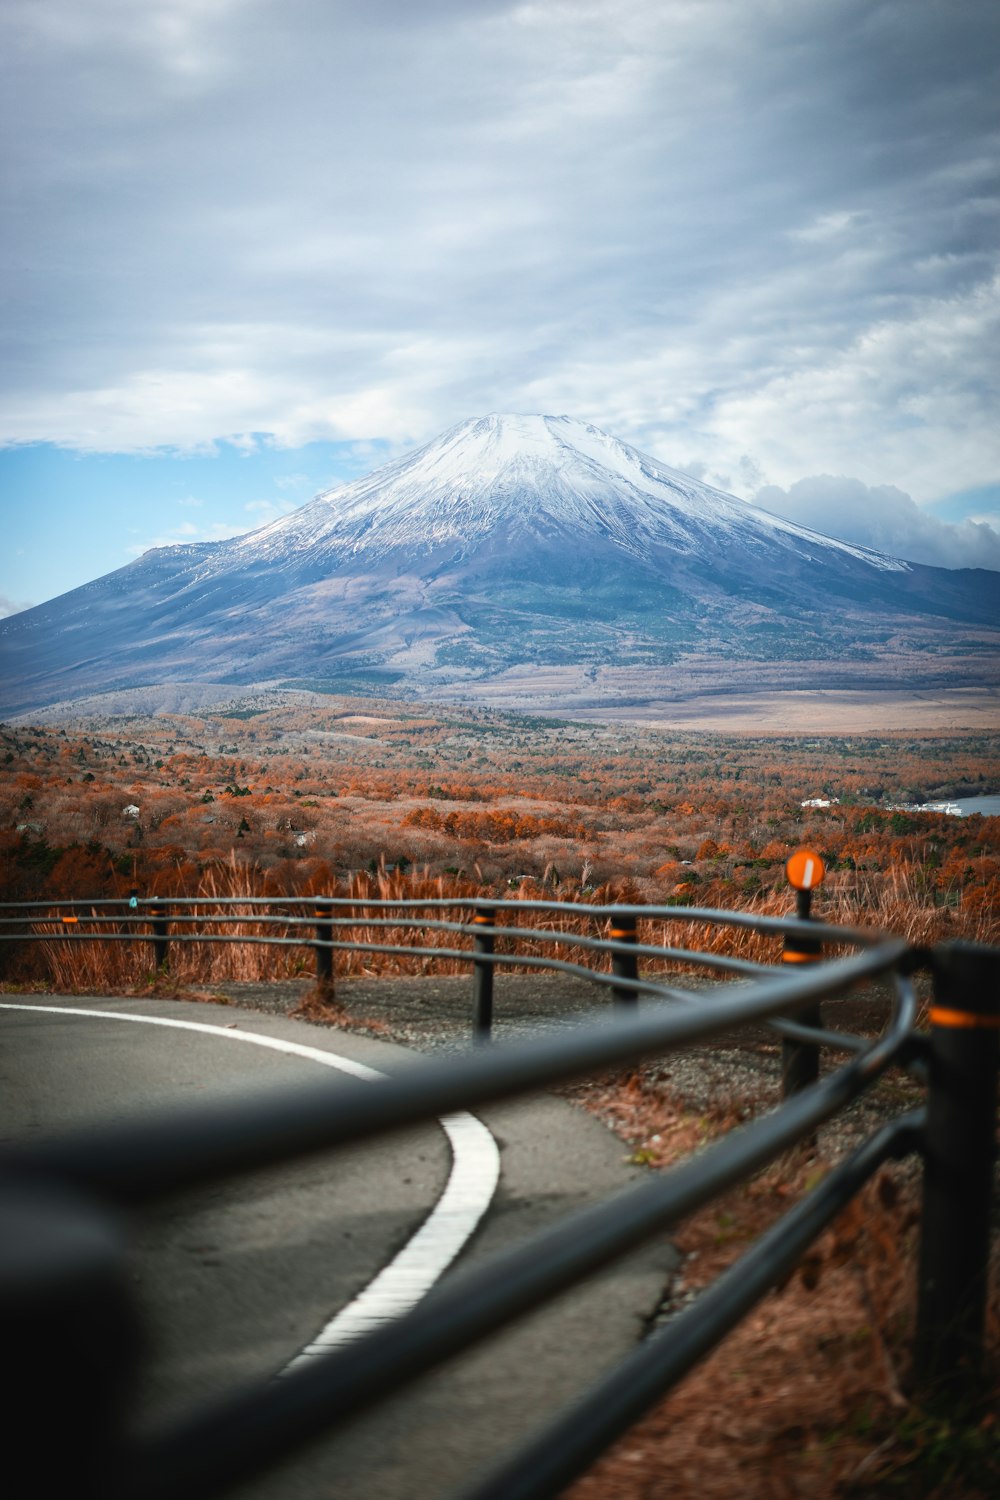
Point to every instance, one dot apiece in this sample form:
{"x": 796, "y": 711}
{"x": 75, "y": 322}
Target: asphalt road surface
{"x": 236, "y": 1280}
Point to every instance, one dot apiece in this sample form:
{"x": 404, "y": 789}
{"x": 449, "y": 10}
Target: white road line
{"x": 475, "y": 1171}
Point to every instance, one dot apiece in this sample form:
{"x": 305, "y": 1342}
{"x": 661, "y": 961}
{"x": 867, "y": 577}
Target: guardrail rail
{"x": 63, "y": 1257}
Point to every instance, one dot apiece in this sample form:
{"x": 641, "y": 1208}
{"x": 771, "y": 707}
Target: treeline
{"x": 500, "y": 827}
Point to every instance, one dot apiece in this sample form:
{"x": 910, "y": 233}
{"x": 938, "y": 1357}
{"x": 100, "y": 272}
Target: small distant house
{"x": 821, "y": 802}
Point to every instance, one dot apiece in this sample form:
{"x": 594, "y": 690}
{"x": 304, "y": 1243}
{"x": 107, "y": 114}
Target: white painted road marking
{"x": 475, "y": 1171}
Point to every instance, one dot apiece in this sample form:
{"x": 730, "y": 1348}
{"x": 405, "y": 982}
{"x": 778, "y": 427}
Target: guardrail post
{"x": 959, "y": 1155}
{"x": 483, "y": 919}
{"x": 800, "y": 1060}
{"x": 161, "y": 936}
{"x": 70, "y": 1341}
{"x": 324, "y": 938}
{"x": 624, "y": 965}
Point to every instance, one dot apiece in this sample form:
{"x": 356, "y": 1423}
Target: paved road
{"x": 234, "y": 1280}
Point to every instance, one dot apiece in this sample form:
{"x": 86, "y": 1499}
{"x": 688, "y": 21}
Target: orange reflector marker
{"x": 805, "y": 870}
{"x": 940, "y": 1015}
{"x": 68, "y": 920}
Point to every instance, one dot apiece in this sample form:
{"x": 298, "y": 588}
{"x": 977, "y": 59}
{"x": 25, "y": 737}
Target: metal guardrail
{"x": 62, "y": 1258}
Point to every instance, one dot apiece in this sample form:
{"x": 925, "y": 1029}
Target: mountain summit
{"x": 527, "y": 478}
{"x": 512, "y": 550}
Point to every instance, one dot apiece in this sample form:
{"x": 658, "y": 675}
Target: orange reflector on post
{"x": 940, "y": 1015}
{"x": 805, "y": 870}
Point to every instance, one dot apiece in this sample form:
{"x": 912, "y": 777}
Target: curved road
{"x": 239, "y": 1279}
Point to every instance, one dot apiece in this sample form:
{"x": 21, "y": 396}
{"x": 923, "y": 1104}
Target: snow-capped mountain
{"x": 510, "y": 542}
{"x": 528, "y": 476}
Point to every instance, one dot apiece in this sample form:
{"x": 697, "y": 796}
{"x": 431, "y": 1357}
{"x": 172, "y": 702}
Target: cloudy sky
{"x": 253, "y": 247}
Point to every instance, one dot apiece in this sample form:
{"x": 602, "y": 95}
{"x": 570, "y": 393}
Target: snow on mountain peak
{"x": 526, "y": 475}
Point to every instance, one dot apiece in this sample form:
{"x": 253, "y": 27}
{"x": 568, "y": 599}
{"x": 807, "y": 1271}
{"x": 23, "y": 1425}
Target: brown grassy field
{"x": 287, "y": 794}
{"x": 810, "y": 712}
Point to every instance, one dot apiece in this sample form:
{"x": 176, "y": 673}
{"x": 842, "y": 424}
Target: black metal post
{"x": 482, "y": 974}
{"x": 161, "y": 937}
{"x": 959, "y": 1154}
{"x": 70, "y": 1340}
{"x": 324, "y": 952}
{"x": 624, "y": 965}
{"x": 800, "y": 1060}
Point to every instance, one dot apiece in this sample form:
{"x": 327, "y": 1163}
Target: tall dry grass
{"x": 897, "y": 901}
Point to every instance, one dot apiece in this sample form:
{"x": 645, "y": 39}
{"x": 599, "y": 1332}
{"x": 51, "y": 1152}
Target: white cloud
{"x": 885, "y": 518}
{"x": 187, "y": 531}
{"x": 9, "y": 606}
{"x": 825, "y": 227}
{"x": 737, "y": 229}
{"x": 270, "y": 510}
{"x": 165, "y": 40}
{"x": 918, "y": 396}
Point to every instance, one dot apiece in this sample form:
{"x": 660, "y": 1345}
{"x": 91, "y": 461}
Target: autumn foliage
{"x": 298, "y": 796}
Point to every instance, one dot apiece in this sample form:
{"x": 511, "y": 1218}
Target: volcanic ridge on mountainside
{"x": 509, "y": 546}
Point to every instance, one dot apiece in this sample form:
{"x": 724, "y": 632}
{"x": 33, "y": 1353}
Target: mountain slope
{"x": 508, "y": 541}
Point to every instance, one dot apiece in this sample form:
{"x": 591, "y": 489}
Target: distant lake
{"x": 989, "y": 807}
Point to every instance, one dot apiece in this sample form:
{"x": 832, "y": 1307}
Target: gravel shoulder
{"x": 736, "y": 1074}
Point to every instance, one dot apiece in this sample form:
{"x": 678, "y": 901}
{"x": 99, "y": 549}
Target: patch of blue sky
{"x": 106, "y": 509}
{"x": 979, "y": 504}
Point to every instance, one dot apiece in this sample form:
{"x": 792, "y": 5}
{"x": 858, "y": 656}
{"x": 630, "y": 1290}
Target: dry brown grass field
{"x": 293, "y": 794}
